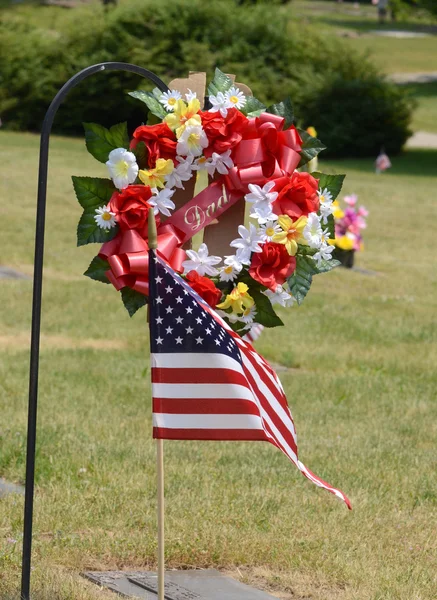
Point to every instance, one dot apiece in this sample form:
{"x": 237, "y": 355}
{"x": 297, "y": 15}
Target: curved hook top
{"x": 81, "y": 75}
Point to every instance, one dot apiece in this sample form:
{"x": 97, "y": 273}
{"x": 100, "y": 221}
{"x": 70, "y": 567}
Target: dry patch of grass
{"x": 22, "y": 342}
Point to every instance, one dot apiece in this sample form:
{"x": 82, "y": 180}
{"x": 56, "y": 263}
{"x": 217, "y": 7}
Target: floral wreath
{"x": 237, "y": 149}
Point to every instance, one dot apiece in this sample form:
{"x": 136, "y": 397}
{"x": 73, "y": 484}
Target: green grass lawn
{"x": 361, "y": 383}
{"x": 425, "y": 115}
{"x": 359, "y": 27}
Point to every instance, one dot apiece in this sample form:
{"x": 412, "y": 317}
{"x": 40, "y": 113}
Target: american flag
{"x": 207, "y": 382}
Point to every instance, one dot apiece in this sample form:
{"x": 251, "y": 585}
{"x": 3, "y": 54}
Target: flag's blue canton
{"x": 180, "y": 324}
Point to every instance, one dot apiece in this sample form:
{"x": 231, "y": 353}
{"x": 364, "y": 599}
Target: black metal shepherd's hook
{"x": 37, "y": 291}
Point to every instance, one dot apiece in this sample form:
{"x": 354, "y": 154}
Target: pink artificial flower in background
{"x": 348, "y": 227}
{"x": 351, "y": 200}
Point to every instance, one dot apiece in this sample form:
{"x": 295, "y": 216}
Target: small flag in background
{"x": 254, "y": 332}
{"x": 207, "y": 382}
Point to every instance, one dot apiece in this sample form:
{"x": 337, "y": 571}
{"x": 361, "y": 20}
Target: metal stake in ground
{"x": 37, "y": 294}
{"x": 153, "y": 244}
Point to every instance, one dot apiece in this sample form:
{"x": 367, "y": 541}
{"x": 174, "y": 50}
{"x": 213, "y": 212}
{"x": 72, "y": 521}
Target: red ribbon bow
{"x": 128, "y": 257}
{"x": 265, "y": 153}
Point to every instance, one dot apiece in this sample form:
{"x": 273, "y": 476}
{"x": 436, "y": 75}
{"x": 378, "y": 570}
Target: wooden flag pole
{"x": 153, "y": 244}
{"x": 160, "y": 468}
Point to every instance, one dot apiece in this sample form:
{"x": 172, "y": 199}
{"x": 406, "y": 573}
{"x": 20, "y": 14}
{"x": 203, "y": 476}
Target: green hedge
{"x": 266, "y": 49}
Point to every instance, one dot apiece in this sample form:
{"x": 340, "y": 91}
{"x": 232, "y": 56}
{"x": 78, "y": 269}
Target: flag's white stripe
{"x": 196, "y": 421}
{"x": 268, "y": 370}
{"x": 201, "y": 390}
{"x": 278, "y": 409}
{"x": 191, "y": 360}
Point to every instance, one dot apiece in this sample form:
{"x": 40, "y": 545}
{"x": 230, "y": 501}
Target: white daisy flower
{"x": 192, "y": 141}
{"x": 247, "y": 243}
{"x": 325, "y": 211}
{"x": 248, "y": 315}
{"x": 122, "y": 167}
{"x": 326, "y": 208}
{"x": 324, "y": 253}
{"x": 161, "y": 201}
{"x": 280, "y": 296}
{"x": 190, "y": 96}
{"x": 235, "y": 97}
{"x": 220, "y": 104}
{"x": 201, "y": 262}
{"x": 231, "y": 269}
{"x": 105, "y": 218}
{"x": 221, "y": 163}
{"x": 169, "y": 99}
{"x": 268, "y": 229}
{"x": 324, "y": 196}
{"x": 325, "y": 235}
{"x": 313, "y": 231}
{"x": 182, "y": 172}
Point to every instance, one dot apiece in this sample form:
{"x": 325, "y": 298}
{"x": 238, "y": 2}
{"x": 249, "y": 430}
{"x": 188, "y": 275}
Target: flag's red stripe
{"x": 205, "y": 406}
{"x": 177, "y": 375}
{"x": 245, "y": 435}
{"x": 277, "y": 421}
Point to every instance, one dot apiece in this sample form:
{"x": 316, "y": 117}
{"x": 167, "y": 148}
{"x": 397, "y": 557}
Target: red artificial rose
{"x": 297, "y": 195}
{"x": 160, "y": 142}
{"x": 131, "y": 207}
{"x": 223, "y": 133}
{"x": 205, "y": 288}
{"x": 272, "y": 266}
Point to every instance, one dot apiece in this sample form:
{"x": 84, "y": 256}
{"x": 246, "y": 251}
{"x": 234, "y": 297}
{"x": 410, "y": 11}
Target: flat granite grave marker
{"x": 8, "y": 273}
{"x": 9, "y": 488}
{"x": 198, "y": 584}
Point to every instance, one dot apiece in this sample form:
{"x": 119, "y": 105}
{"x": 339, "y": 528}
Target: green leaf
{"x": 151, "y": 101}
{"x": 331, "y": 226}
{"x": 265, "y": 315}
{"x": 310, "y": 148}
{"x": 140, "y": 152}
{"x": 220, "y": 83}
{"x": 92, "y": 193}
{"x": 306, "y": 267}
{"x": 97, "y": 269}
{"x": 300, "y": 281}
{"x": 327, "y": 265}
{"x": 132, "y": 300}
{"x": 285, "y": 110}
{"x": 253, "y": 107}
{"x": 333, "y": 183}
{"x": 100, "y": 141}
{"x": 88, "y": 232}
{"x": 305, "y": 250}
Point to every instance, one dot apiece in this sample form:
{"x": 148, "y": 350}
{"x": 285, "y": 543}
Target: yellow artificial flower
{"x": 291, "y": 234}
{"x": 312, "y": 131}
{"x": 155, "y": 177}
{"x": 239, "y": 300}
{"x": 337, "y": 212}
{"x": 344, "y": 243}
{"x": 184, "y": 115}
